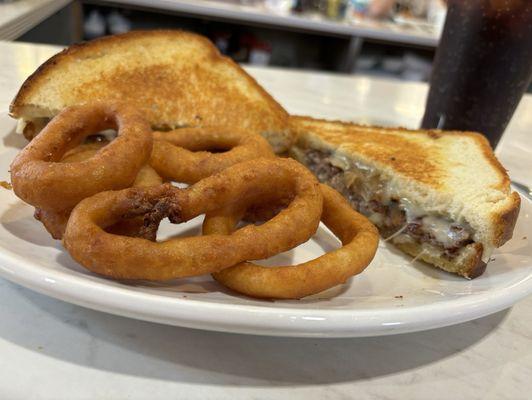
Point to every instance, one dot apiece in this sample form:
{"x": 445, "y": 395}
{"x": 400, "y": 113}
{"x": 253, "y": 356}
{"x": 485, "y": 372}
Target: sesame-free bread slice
{"x": 175, "y": 78}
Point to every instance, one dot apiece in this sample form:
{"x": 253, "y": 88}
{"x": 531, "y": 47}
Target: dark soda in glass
{"x": 482, "y": 67}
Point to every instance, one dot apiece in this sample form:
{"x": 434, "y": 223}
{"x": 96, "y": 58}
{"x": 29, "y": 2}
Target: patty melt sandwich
{"x": 442, "y": 197}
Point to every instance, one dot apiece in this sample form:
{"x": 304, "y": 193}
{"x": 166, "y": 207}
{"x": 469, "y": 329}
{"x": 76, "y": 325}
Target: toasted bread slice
{"x": 440, "y": 196}
{"x": 175, "y": 78}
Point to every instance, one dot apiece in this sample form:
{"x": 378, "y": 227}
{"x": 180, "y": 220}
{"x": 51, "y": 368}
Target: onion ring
{"x": 137, "y": 258}
{"x": 55, "y": 221}
{"x": 359, "y": 238}
{"x": 185, "y": 155}
{"x": 40, "y": 180}
{"x": 146, "y": 176}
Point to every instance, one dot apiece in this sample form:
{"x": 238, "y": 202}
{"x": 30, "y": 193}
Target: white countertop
{"x": 54, "y": 350}
{"x": 258, "y": 14}
{"x": 18, "y": 17}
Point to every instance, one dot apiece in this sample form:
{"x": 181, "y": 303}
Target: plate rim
{"x": 249, "y": 319}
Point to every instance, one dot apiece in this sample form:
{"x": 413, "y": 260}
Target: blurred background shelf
{"x": 19, "y": 17}
{"x": 249, "y": 31}
{"x": 256, "y": 13}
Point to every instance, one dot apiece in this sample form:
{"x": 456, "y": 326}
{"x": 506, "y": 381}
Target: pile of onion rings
{"x": 137, "y": 258}
{"x": 106, "y": 200}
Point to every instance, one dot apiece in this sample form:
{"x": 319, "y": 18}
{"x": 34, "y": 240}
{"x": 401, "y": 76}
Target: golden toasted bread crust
{"x": 94, "y": 45}
{"x": 411, "y": 159}
{"x": 218, "y": 103}
{"x": 388, "y": 149}
{"x": 297, "y": 125}
{"x": 470, "y": 268}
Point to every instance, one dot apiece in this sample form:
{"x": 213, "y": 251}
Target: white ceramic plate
{"x": 391, "y": 296}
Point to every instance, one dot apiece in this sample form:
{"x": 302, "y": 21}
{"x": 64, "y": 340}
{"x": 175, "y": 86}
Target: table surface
{"x": 410, "y": 34}
{"x": 18, "y": 17}
{"x": 54, "y": 350}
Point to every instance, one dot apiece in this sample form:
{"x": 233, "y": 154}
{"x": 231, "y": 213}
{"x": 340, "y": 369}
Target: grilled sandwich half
{"x": 439, "y": 196}
{"x": 175, "y": 78}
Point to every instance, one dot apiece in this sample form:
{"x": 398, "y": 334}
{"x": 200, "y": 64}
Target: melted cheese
{"x": 440, "y": 228}
{"x": 411, "y": 210}
{"x": 366, "y": 184}
{"x": 366, "y": 181}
